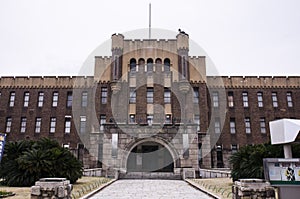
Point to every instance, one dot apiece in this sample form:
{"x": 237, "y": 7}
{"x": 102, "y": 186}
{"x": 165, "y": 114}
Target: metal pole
{"x": 287, "y": 148}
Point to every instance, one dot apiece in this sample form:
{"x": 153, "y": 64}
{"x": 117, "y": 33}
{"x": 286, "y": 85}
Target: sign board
{"x": 280, "y": 171}
{"x": 2, "y": 144}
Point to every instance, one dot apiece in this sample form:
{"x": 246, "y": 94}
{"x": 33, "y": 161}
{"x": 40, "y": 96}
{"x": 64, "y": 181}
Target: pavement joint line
{"x": 194, "y": 184}
{"x": 98, "y": 189}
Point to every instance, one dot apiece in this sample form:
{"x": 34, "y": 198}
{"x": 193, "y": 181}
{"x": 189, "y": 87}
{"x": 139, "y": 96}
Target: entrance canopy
{"x": 284, "y": 131}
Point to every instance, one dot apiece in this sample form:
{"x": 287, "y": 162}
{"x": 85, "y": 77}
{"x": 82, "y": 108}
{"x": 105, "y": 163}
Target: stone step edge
{"x": 98, "y": 189}
{"x": 194, "y": 184}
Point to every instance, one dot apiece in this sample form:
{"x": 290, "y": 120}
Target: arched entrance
{"x": 150, "y": 156}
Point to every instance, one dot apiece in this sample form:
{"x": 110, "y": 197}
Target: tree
{"x": 248, "y": 161}
{"x": 25, "y": 162}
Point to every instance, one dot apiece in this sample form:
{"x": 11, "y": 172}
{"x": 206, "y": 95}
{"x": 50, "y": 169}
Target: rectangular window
{"x": 38, "y": 124}
{"x": 149, "y": 120}
{"x": 26, "y": 99}
{"x": 247, "y": 125}
{"x": 23, "y": 124}
{"x": 52, "y": 124}
{"x": 12, "y": 98}
{"x": 102, "y": 122}
{"x": 82, "y": 124}
{"x": 84, "y": 99}
{"x": 217, "y": 125}
{"x": 196, "y": 95}
{"x": 274, "y": 99}
{"x": 67, "y": 124}
{"x": 234, "y": 148}
{"x": 260, "y": 99}
{"x": 150, "y": 94}
{"x": 132, "y": 118}
{"x": 232, "y": 125}
{"x": 197, "y": 121}
{"x": 167, "y": 96}
{"x": 69, "y": 99}
{"x": 289, "y": 99}
{"x": 132, "y": 96}
{"x": 8, "y": 125}
{"x": 40, "y": 99}
{"x": 245, "y": 99}
{"x": 262, "y": 122}
{"x": 230, "y": 99}
{"x": 168, "y": 119}
{"x": 54, "y": 99}
{"x": 103, "y": 95}
{"x": 215, "y": 99}
{"x": 186, "y": 145}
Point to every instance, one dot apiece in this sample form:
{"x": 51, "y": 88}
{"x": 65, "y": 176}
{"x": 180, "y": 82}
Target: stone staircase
{"x": 150, "y": 175}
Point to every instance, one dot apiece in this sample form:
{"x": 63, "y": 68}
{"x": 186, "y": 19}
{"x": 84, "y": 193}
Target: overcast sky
{"x": 242, "y": 37}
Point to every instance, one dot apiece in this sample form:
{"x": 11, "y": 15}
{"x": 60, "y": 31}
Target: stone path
{"x": 150, "y": 189}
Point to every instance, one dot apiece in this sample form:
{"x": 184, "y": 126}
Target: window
{"x": 23, "y": 125}
{"x": 232, "y": 125}
{"x": 12, "y": 99}
{"x": 215, "y": 99}
{"x": 168, "y": 119}
{"x": 234, "y": 148}
{"x": 260, "y": 99}
{"x": 247, "y": 125}
{"x": 67, "y": 124}
{"x": 245, "y": 99}
{"x": 132, "y": 118}
{"x": 69, "y": 99}
{"x": 40, "y": 99}
{"x": 150, "y": 93}
{"x": 132, "y": 65}
{"x": 102, "y": 122}
{"x": 84, "y": 99}
{"x": 289, "y": 99}
{"x": 54, "y": 99}
{"x": 38, "y": 124}
{"x": 262, "y": 122}
{"x": 26, "y": 99}
{"x": 167, "y": 96}
{"x": 274, "y": 99}
{"x": 197, "y": 121}
{"x": 167, "y": 65}
{"x": 149, "y": 119}
{"x": 104, "y": 95}
{"x": 150, "y": 65}
{"x": 220, "y": 162}
{"x": 217, "y": 125}
{"x": 82, "y": 124}
{"x": 8, "y": 125}
{"x": 52, "y": 124}
{"x": 132, "y": 96}
{"x": 196, "y": 95}
{"x": 230, "y": 99}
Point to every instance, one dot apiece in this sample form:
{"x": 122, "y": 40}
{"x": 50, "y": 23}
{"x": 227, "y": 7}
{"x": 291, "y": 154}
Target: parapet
{"x": 117, "y": 41}
{"x": 45, "y": 82}
{"x": 182, "y": 41}
{"x": 254, "y": 82}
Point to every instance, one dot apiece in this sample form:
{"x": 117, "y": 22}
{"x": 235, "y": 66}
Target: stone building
{"x": 149, "y": 107}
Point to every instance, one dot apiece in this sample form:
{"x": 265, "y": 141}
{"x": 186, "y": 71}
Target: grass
{"x": 83, "y": 186}
{"x": 218, "y": 186}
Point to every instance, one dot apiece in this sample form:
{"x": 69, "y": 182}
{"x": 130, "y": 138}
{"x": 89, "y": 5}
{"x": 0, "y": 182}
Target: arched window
{"x": 158, "y": 63}
{"x": 149, "y": 65}
{"x": 167, "y": 65}
{"x": 132, "y": 65}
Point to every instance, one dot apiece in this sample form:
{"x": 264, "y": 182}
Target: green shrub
{"x": 25, "y": 162}
{"x": 248, "y": 161}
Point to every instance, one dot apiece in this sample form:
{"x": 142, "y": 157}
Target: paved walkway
{"x": 150, "y": 189}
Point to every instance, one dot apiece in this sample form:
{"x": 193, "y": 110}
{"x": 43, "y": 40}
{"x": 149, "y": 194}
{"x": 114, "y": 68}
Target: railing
{"x": 215, "y": 173}
{"x": 93, "y": 172}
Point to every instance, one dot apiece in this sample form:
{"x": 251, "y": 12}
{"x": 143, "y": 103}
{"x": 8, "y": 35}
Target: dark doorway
{"x": 150, "y": 157}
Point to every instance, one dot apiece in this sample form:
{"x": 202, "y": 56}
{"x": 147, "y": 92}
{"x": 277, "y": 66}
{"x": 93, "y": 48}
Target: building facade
{"x": 150, "y": 107}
